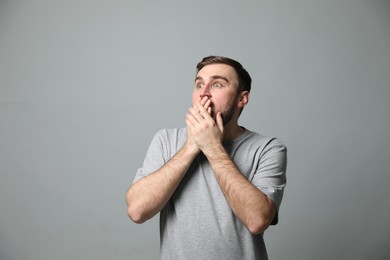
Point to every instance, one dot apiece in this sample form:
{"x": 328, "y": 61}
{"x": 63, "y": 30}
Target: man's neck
{"x": 232, "y": 131}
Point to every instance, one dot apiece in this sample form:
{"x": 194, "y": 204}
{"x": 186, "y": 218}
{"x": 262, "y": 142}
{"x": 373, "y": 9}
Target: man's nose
{"x": 205, "y": 91}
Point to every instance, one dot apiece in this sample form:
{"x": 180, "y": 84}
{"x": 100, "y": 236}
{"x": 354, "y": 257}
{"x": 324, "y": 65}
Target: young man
{"x": 217, "y": 185}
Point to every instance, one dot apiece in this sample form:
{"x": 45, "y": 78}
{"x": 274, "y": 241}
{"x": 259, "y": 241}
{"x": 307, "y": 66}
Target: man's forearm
{"x": 249, "y": 204}
{"x": 149, "y": 195}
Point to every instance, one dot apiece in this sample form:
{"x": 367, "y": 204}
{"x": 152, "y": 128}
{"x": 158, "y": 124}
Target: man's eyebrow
{"x": 213, "y": 77}
{"x": 198, "y": 78}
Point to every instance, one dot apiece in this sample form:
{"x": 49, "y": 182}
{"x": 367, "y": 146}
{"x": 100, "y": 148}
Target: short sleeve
{"x": 270, "y": 176}
{"x": 155, "y": 157}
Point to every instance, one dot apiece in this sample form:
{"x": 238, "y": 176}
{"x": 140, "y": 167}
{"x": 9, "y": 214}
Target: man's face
{"x": 220, "y": 83}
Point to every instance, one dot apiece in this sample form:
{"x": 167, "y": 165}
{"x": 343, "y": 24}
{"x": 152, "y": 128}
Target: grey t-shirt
{"x": 197, "y": 222}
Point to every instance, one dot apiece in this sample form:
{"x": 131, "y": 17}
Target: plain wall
{"x": 84, "y": 85}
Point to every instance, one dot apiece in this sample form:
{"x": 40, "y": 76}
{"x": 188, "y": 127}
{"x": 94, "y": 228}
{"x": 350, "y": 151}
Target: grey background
{"x": 86, "y": 84}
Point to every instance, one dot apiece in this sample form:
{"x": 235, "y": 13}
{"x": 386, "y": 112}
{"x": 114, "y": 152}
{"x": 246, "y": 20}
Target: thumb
{"x": 220, "y": 121}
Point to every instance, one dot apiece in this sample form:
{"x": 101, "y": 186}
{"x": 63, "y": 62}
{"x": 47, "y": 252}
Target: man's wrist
{"x": 190, "y": 149}
{"x": 215, "y": 152}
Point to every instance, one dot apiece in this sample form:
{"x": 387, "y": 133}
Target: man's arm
{"x": 146, "y": 197}
{"x": 249, "y": 204}
{"x": 149, "y": 195}
{"x": 255, "y": 210}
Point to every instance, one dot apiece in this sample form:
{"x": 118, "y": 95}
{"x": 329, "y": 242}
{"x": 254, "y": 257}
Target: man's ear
{"x": 244, "y": 99}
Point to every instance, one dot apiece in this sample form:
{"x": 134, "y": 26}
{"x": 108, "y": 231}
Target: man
{"x": 217, "y": 185}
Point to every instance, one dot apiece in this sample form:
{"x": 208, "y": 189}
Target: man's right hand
{"x": 205, "y": 102}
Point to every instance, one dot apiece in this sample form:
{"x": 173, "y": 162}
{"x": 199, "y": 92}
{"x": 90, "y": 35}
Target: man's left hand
{"x": 206, "y": 132}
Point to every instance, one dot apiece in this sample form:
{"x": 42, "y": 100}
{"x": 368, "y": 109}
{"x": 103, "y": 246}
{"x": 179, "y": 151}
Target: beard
{"x": 227, "y": 115}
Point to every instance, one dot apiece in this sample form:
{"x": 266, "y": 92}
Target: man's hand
{"x": 203, "y": 131}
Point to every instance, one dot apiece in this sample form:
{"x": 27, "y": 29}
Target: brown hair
{"x": 244, "y": 79}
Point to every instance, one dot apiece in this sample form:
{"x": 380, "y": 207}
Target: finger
{"x": 203, "y": 111}
{"x": 194, "y": 116}
{"x": 204, "y": 100}
{"x": 207, "y": 104}
{"x": 190, "y": 122}
{"x": 220, "y": 121}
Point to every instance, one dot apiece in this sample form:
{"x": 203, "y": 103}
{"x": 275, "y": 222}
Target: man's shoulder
{"x": 171, "y": 132}
{"x": 263, "y": 140}
{"x": 171, "y": 135}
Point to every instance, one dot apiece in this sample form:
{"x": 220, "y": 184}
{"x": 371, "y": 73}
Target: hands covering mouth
{"x": 203, "y": 130}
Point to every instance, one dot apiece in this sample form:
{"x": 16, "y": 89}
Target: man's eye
{"x": 217, "y": 85}
{"x": 199, "y": 85}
